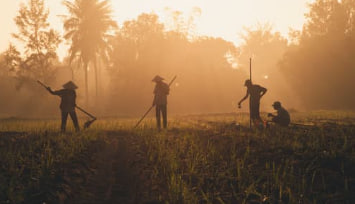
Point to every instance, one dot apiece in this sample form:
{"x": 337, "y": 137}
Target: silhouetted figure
{"x": 283, "y": 117}
{"x": 255, "y": 92}
{"x": 161, "y": 91}
{"x": 67, "y": 104}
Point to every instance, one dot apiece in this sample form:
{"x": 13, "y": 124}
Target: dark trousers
{"x": 254, "y": 110}
{"x": 255, "y": 113}
{"x": 161, "y": 109}
{"x": 73, "y": 117}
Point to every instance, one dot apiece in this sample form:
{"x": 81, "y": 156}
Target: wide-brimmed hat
{"x": 276, "y": 104}
{"x": 70, "y": 85}
{"x": 158, "y": 78}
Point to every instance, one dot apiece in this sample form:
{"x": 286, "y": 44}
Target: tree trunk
{"x": 96, "y": 78}
{"x": 72, "y": 68}
{"x": 72, "y": 73}
{"x": 86, "y": 84}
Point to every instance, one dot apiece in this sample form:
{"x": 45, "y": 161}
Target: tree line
{"x": 311, "y": 68}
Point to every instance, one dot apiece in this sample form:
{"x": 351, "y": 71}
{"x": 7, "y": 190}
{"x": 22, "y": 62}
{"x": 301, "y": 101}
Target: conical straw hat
{"x": 70, "y": 85}
{"x": 158, "y": 78}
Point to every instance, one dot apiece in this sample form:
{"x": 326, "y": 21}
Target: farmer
{"x": 161, "y": 91}
{"x": 282, "y": 118}
{"x": 255, "y": 92}
{"x": 67, "y": 104}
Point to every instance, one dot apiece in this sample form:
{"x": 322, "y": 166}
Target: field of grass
{"x": 198, "y": 159}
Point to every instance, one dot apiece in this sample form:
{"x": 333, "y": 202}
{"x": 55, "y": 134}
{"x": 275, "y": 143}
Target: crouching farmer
{"x": 282, "y": 118}
{"x": 67, "y": 104}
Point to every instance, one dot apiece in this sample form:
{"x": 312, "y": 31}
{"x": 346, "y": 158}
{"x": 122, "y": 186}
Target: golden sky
{"x": 218, "y": 18}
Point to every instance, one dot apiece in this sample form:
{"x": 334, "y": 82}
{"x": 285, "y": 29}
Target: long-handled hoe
{"x": 87, "y": 123}
{"x": 146, "y": 113}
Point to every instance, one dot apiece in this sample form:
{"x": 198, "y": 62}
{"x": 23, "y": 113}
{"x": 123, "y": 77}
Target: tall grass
{"x": 199, "y": 159}
{"x": 38, "y": 163}
{"x": 208, "y": 160}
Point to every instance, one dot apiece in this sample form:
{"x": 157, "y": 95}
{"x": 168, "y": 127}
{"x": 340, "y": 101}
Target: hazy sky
{"x": 218, "y": 18}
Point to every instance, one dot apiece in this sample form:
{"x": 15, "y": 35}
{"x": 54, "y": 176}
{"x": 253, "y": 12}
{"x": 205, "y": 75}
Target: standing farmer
{"x": 67, "y": 104}
{"x": 161, "y": 91}
{"x": 255, "y": 92}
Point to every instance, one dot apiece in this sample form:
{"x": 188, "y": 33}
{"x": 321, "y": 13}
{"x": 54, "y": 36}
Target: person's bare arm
{"x": 243, "y": 99}
{"x": 271, "y": 115}
{"x": 263, "y": 91}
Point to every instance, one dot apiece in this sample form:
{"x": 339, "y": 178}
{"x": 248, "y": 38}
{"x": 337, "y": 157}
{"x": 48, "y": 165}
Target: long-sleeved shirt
{"x": 68, "y": 98}
{"x": 161, "y": 91}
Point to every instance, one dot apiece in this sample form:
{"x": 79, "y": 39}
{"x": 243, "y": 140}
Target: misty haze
{"x": 177, "y": 101}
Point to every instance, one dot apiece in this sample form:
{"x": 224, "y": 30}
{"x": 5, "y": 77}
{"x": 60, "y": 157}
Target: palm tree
{"x": 88, "y": 27}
